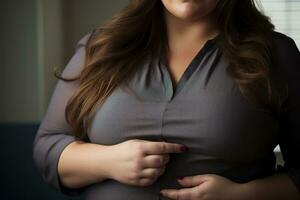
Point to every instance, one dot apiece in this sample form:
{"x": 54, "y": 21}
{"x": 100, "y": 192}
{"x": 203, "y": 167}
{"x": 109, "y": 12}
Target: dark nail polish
{"x": 184, "y": 148}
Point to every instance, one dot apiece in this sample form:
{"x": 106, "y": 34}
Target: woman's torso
{"x": 225, "y": 133}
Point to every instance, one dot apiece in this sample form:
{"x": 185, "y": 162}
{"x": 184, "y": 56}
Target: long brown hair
{"x": 118, "y": 47}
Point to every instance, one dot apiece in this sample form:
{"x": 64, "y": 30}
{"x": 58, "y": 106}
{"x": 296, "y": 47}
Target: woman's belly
{"x": 187, "y": 164}
{"x": 114, "y": 190}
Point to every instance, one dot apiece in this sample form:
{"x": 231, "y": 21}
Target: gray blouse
{"x": 226, "y": 134}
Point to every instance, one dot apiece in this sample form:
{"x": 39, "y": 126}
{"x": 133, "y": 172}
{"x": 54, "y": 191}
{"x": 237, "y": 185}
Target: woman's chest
{"x": 209, "y": 115}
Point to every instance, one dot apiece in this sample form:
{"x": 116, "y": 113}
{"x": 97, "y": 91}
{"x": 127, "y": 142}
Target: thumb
{"x": 190, "y": 181}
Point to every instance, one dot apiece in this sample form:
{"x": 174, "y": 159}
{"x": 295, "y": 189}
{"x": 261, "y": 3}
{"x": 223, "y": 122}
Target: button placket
{"x": 172, "y": 91}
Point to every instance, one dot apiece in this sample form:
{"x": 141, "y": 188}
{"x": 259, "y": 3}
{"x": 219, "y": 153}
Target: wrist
{"x": 95, "y": 160}
{"x": 104, "y": 162}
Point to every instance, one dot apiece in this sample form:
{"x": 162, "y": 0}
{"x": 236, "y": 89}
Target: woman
{"x": 212, "y": 76}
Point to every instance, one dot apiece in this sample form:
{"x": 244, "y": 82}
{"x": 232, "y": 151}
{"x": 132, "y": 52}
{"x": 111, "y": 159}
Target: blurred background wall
{"x": 38, "y": 35}
{"x": 20, "y": 73}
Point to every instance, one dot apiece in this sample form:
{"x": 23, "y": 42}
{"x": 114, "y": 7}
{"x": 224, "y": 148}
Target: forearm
{"x": 275, "y": 187}
{"x": 81, "y": 164}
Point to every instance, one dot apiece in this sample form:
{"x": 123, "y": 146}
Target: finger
{"x": 156, "y": 160}
{"x": 180, "y": 194}
{"x": 145, "y": 181}
{"x": 163, "y": 148}
{"x": 152, "y": 173}
{"x": 190, "y": 181}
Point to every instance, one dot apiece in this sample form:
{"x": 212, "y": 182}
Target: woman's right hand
{"x": 140, "y": 162}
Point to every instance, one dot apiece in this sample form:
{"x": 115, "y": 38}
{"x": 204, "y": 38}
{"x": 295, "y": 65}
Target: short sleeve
{"x": 289, "y": 137}
{"x": 53, "y": 134}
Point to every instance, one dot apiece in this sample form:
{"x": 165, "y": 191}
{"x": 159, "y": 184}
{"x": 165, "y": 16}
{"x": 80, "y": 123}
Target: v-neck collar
{"x": 172, "y": 90}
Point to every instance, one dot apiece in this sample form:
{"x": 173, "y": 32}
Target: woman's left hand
{"x": 205, "y": 187}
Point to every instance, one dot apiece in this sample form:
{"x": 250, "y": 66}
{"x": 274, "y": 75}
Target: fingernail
{"x": 179, "y": 177}
{"x": 183, "y": 148}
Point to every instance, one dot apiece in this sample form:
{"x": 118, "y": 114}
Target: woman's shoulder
{"x": 89, "y": 35}
{"x": 280, "y": 36}
{"x": 283, "y": 44}
{"x": 76, "y": 63}
{"x": 284, "y": 50}
{"x": 285, "y": 57}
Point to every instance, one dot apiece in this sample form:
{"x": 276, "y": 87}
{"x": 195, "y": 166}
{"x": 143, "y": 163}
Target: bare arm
{"x": 82, "y": 163}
